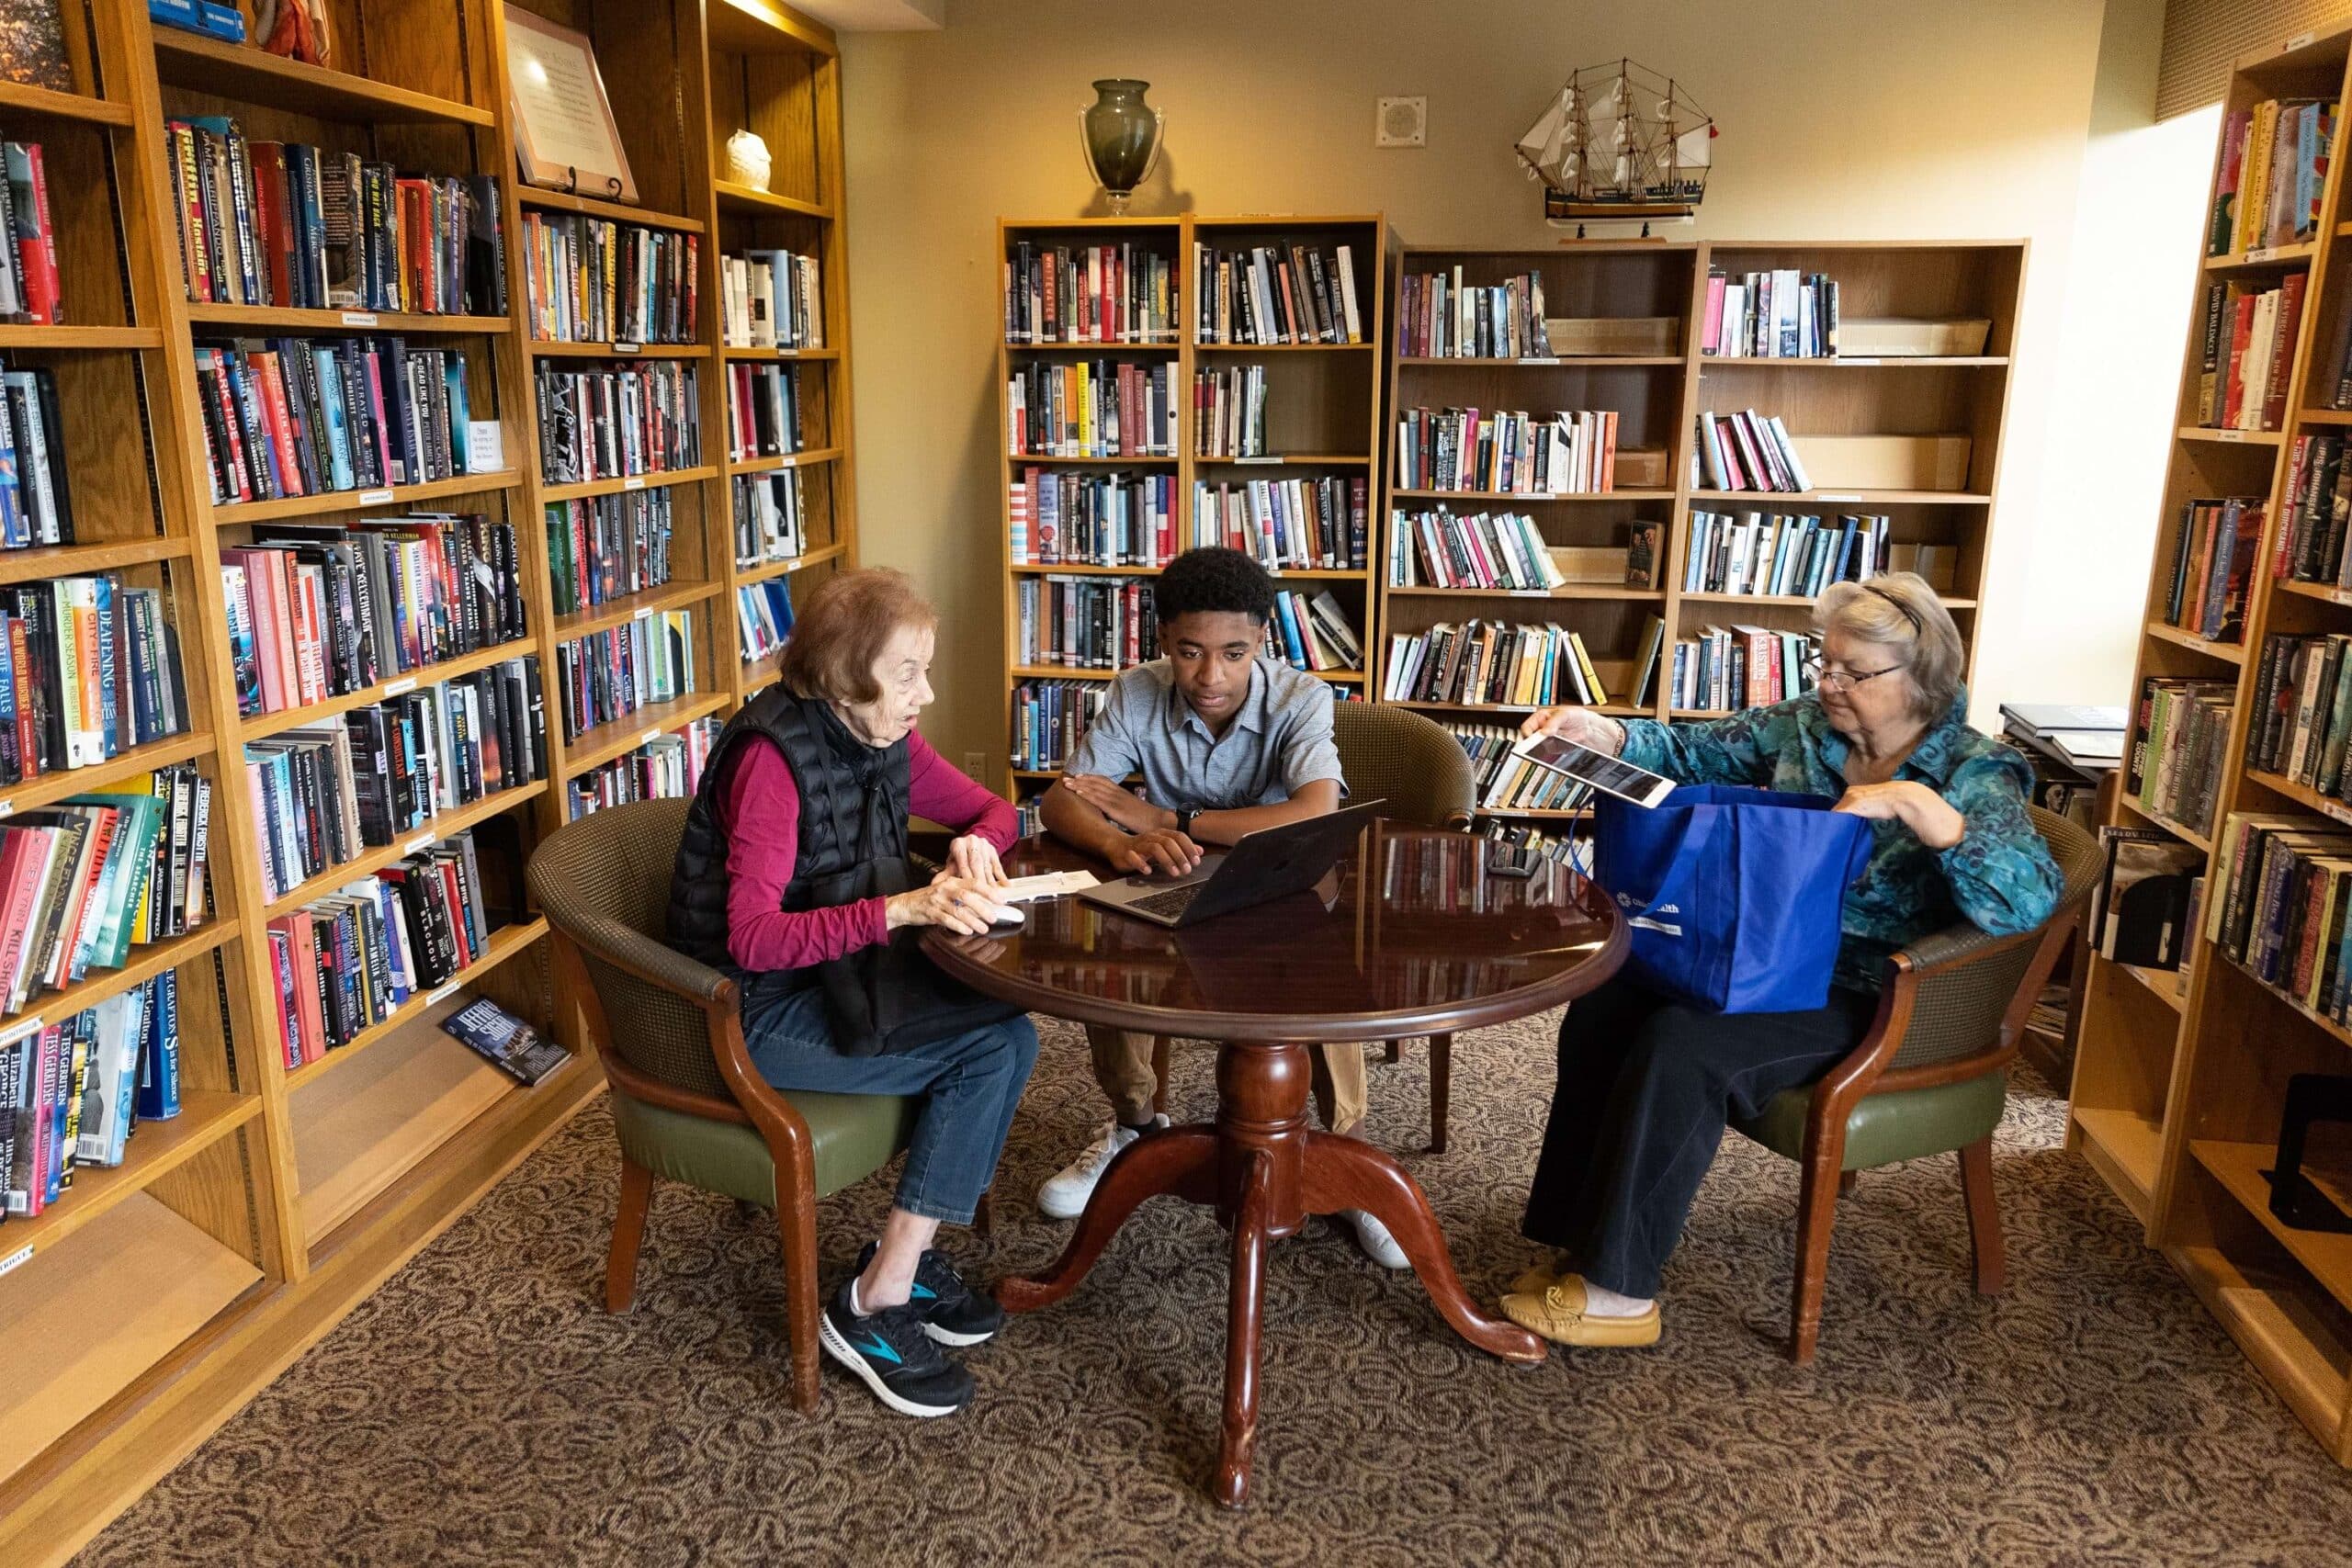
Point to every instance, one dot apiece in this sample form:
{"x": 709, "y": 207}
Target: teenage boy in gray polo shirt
{"x": 1227, "y": 741}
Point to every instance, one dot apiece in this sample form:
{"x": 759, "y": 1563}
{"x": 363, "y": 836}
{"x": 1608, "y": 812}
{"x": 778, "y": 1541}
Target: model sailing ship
{"x": 1619, "y": 142}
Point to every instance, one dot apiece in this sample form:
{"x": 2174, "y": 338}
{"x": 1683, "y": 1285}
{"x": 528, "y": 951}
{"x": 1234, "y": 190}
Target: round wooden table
{"x": 1409, "y": 935}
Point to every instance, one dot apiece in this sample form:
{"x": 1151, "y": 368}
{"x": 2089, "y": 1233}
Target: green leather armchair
{"x": 1928, "y": 1078}
{"x": 686, "y": 1102}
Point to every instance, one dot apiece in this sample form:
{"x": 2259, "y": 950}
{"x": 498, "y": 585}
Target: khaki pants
{"x": 1122, "y": 1066}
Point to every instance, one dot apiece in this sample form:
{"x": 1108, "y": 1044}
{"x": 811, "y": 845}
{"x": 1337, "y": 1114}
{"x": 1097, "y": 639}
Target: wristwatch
{"x": 1184, "y": 821}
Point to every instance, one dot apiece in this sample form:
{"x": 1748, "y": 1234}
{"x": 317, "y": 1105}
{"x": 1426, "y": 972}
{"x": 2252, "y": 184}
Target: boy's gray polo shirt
{"x": 1278, "y": 743}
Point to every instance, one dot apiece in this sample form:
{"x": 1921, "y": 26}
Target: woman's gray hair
{"x": 1897, "y": 611}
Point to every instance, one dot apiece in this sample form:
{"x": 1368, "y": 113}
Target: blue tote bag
{"x": 1734, "y": 894}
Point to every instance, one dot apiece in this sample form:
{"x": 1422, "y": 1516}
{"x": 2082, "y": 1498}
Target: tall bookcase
{"x": 2178, "y": 1088}
{"x": 1657, "y": 397}
{"x": 159, "y": 1295}
{"x": 1322, "y": 414}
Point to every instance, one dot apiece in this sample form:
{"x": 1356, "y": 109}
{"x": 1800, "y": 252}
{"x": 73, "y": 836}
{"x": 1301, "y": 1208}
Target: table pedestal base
{"x": 1264, "y": 1172}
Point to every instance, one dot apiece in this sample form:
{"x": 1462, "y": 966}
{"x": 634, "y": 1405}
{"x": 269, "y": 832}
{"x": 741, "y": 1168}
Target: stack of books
{"x": 1095, "y": 407}
{"x": 615, "y": 421}
{"x": 1084, "y": 622}
{"x": 608, "y": 673}
{"x": 73, "y": 1090}
{"x": 1119, "y": 292}
{"x": 1748, "y": 451}
{"x": 1061, "y": 518}
{"x": 605, "y": 546}
{"x": 305, "y": 416}
{"x": 1275, "y": 294}
{"x": 763, "y": 412}
{"x": 1048, "y": 717}
{"x": 1312, "y": 634}
{"x": 2304, "y": 705}
{"x": 2313, "y": 535}
{"x": 1783, "y": 314}
{"x": 1439, "y": 549}
{"x": 764, "y": 615}
{"x": 2179, "y": 742}
{"x": 88, "y": 670}
{"x": 668, "y": 767}
{"x": 594, "y": 280}
{"x": 1310, "y": 524}
{"x": 2248, "y": 352}
{"x": 2273, "y": 172}
{"x": 36, "y": 497}
{"x": 771, "y": 517}
{"x": 771, "y": 299}
{"x": 2213, "y": 550}
{"x": 2086, "y": 737}
{"x": 1490, "y": 664}
{"x": 1781, "y": 555}
{"x": 1725, "y": 669}
{"x": 1444, "y": 318}
{"x": 1229, "y": 412}
{"x": 1508, "y": 453}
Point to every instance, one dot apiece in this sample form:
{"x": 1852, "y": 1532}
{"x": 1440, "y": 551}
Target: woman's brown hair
{"x": 837, "y": 638}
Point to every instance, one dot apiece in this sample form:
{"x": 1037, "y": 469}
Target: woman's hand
{"x": 1914, "y": 804}
{"x": 1156, "y": 849}
{"x": 954, "y": 902}
{"x": 1585, "y": 727}
{"x": 975, "y": 860}
{"x": 1118, "y": 803}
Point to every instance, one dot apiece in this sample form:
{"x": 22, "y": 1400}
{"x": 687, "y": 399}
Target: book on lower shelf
{"x": 616, "y": 421}
{"x": 1746, "y": 451}
{"x": 1442, "y": 317}
{"x": 610, "y": 673}
{"x": 1094, "y": 408}
{"x": 1727, "y": 668}
{"x": 763, "y": 616}
{"x": 302, "y": 416}
{"x": 1063, "y": 518}
{"x": 763, "y": 410}
{"x": 36, "y": 488}
{"x": 1488, "y": 663}
{"x": 771, "y": 298}
{"x": 2281, "y": 908}
{"x": 1292, "y": 293}
{"x": 1573, "y": 452}
{"x": 1048, "y": 718}
{"x": 1786, "y": 313}
{"x": 90, "y": 669}
{"x": 597, "y": 281}
{"x": 1305, "y": 524}
{"x": 604, "y": 547}
{"x": 1118, "y": 292}
{"x": 1782, "y": 554}
{"x": 664, "y": 768}
{"x": 2179, "y": 744}
{"x": 505, "y": 1042}
{"x": 2214, "y": 547}
{"x": 1442, "y": 550}
{"x": 2141, "y": 912}
{"x": 2273, "y": 172}
{"x": 771, "y": 515}
{"x": 2248, "y": 353}
{"x": 73, "y": 1091}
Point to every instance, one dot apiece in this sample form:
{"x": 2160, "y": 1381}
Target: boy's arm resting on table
{"x": 1318, "y": 797}
{"x": 1081, "y": 824}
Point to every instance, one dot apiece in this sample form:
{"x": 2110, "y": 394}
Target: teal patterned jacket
{"x": 1999, "y": 875}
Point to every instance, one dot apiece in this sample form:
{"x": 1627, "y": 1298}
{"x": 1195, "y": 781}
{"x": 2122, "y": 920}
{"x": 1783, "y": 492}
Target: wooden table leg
{"x": 1243, "y": 1305}
{"x": 1179, "y": 1160}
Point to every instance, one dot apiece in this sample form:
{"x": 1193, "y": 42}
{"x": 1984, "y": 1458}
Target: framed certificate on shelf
{"x": 565, "y": 138}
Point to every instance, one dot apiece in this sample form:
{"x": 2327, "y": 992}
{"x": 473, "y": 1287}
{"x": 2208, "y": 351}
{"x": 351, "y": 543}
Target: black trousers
{"x": 1646, "y": 1085}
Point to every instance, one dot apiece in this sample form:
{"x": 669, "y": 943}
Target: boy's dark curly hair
{"x": 1214, "y": 580}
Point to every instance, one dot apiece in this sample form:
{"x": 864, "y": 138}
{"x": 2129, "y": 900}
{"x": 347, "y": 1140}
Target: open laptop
{"x": 1267, "y": 864}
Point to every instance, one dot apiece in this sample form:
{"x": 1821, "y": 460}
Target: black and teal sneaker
{"x": 952, "y": 1311}
{"x": 893, "y": 1351}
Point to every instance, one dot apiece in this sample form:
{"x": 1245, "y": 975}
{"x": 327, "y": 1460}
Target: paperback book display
{"x": 1783, "y": 314}
{"x": 1309, "y": 524}
{"x": 1506, "y": 453}
{"x": 2312, "y": 535}
{"x": 667, "y": 767}
{"x": 763, "y": 616}
{"x": 283, "y": 224}
{"x": 771, "y": 299}
{"x": 1779, "y": 555}
{"x": 2281, "y": 912}
{"x": 1275, "y": 294}
{"x": 29, "y": 291}
{"x": 88, "y": 880}
{"x": 2179, "y": 735}
{"x": 2273, "y": 171}
{"x": 609, "y": 673}
{"x": 1491, "y": 664}
{"x": 605, "y": 547}
{"x": 2213, "y": 550}
{"x": 325, "y": 794}
{"x": 763, "y": 412}
{"x": 73, "y": 1091}
{"x": 36, "y": 492}
{"x": 1504, "y": 551}
{"x": 1118, "y": 293}
{"x": 320, "y": 611}
{"x": 1229, "y": 412}
{"x": 306, "y": 416}
{"x": 1312, "y": 635}
{"x": 1727, "y": 668}
{"x": 1746, "y": 451}
{"x": 1085, "y": 623}
{"x": 1061, "y": 518}
{"x": 1443, "y": 318}
{"x": 89, "y": 668}
{"x": 771, "y": 517}
{"x": 594, "y": 280}
{"x": 347, "y": 962}
{"x": 615, "y": 421}
{"x": 2248, "y": 350}
{"x": 1048, "y": 716}
{"x": 504, "y": 1040}
{"x": 1096, "y": 408}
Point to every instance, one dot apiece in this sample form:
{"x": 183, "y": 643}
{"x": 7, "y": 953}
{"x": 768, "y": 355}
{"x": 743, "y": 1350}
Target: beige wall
{"x": 1839, "y": 119}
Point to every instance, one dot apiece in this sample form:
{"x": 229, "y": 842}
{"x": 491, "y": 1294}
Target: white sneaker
{"x": 1373, "y": 1237}
{"x": 1064, "y": 1195}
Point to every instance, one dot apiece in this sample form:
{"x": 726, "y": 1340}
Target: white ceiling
{"x": 878, "y": 16}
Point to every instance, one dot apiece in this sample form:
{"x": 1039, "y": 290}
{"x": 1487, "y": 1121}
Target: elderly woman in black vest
{"x": 793, "y": 876}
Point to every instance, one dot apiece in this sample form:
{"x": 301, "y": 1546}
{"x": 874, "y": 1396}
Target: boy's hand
{"x": 1157, "y": 850}
{"x": 1118, "y": 803}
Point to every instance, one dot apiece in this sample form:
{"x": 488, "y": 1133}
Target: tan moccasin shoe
{"x": 1539, "y": 1278}
{"x": 1558, "y": 1314}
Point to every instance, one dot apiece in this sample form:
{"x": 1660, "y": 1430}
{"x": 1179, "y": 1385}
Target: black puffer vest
{"x": 853, "y": 805}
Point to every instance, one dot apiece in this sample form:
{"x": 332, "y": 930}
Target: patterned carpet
{"x": 481, "y": 1408}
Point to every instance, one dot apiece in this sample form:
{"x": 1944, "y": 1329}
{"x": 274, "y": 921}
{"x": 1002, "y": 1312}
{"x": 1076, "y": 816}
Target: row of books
{"x": 763, "y": 616}
{"x": 763, "y": 412}
{"x": 1048, "y": 717}
{"x": 1229, "y": 412}
{"x": 1443, "y": 318}
{"x": 1725, "y": 669}
{"x": 30, "y": 287}
{"x": 1314, "y": 635}
{"x": 344, "y": 963}
{"x": 668, "y": 767}
{"x": 287, "y": 224}
{"x": 2247, "y": 354}
{"x": 89, "y": 668}
{"x": 1504, "y": 551}
{"x": 73, "y": 1090}
{"x": 1094, "y": 407}
{"x": 1781, "y": 314}
{"x": 1502, "y": 780}
{"x": 604, "y": 547}
{"x": 1508, "y": 453}
{"x": 84, "y": 882}
{"x": 614, "y": 421}
{"x": 305, "y": 416}
{"x": 1491, "y": 664}
{"x": 2281, "y": 910}
{"x": 2214, "y": 549}
{"x": 319, "y": 611}
{"x": 2302, "y": 711}
{"x": 1782, "y": 555}
{"x": 1063, "y": 518}
{"x": 2179, "y": 742}
{"x": 2273, "y": 172}
{"x": 609, "y": 673}
{"x": 594, "y": 280}
{"x": 2315, "y": 544}
{"x": 1084, "y": 622}
{"x": 2146, "y": 902}
{"x": 1302, "y": 524}
{"x": 1746, "y": 451}
{"x": 771, "y": 516}
{"x": 323, "y": 794}
{"x": 1116, "y": 292}
{"x": 771, "y": 299}
{"x": 36, "y": 489}
{"x": 1275, "y": 294}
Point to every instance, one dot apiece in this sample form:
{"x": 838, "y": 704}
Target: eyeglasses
{"x": 1842, "y": 680}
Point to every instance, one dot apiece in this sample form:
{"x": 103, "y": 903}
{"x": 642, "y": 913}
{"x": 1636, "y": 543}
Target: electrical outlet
{"x": 974, "y": 764}
{"x": 1401, "y": 122}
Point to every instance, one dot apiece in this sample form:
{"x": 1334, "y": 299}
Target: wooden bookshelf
{"x": 1322, "y": 417}
{"x": 236, "y": 1234}
{"x": 1657, "y": 398}
{"x": 2176, "y": 1096}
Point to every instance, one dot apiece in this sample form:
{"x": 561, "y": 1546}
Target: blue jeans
{"x": 969, "y": 1085}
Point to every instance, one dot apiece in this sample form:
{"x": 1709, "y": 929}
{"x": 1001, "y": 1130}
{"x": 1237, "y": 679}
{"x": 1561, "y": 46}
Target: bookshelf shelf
{"x": 505, "y": 942}
{"x": 1616, "y": 710}
{"x": 253, "y": 76}
{"x": 2233, "y": 437}
{"x": 2131, "y": 1144}
{"x": 154, "y": 1150}
{"x": 1710, "y": 364}
{"x": 2271, "y": 1318}
{"x": 2227, "y": 652}
{"x": 402, "y": 496}
{"x": 2162, "y": 984}
{"x": 17, "y": 337}
{"x": 2275, "y": 256}
{"x": 69, "y": 561}
{"x": 2239, "y": 1168}
{"x": 2341, "y": 597}
{"x": 1283, "y": 574}
{"x": 819, "y": 355}
{"x": 1571, "y": 590}
{"x": 2180, "y": 830}
{"x": 2302, "y": 795}
{"x": 755, "y": 27}
{"x": 1285, "y": 347}
{"x": 630, "y": 607}
{"x": 50, "y": 788}
{"x": 553, "y": 349}
{"x": 1028, "y": 459}
{"x": 1485, "y": 498}
{"x": 1103, "y": 349}
{"x": 814, "y": 457}
{"x": 1866, "y": 498}
{"x": 372, "y": 860}
{"x": 1796, "y": 600}
{"x": 619, "y": 212}
{"x": 746, "y": 575}
{"x": 1539, "y": 362}
{"x": 19, "y": 99}
{"x": 146, "y": 962}
{"x": 261, "y": 726}
{"x": 733, "y": 197}
{"x": 595, "y": 746}
{"x": 273, "y": 317}
{"x": 661, "y": 480}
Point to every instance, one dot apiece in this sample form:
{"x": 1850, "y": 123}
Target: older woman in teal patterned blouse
{"x": 1647, "y": 1084}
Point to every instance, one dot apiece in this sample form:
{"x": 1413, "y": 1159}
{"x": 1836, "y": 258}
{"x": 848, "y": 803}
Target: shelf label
{"x": 21, "y": 1256}
{"x": 359, "y": 318}
{"x": 637, "y": 482}
{"x": 1860, "y": 359}
{"x": 1529, "y": 593}
{"x": 376, "y": 497}
{"x": 1254, "y": 459}
{"x": 20, "y": 1029}
{"x": 2228, "y": 434}
{"x": 651, "y": 736}
{"x": 1539, "y": 360}
{"x": 417, "y": 845}
{"x": 8, "y": 807}
{"x": 626, "y": 348}
{"x": 645, "y": 613}
{"x": 445, "y": 991}
{"x": 2301, "y": 41}
{"x": 405, "y": 684}
{"x": 1838, "y": 495}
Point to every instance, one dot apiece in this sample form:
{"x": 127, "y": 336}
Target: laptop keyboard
{"x": 1168, "y": 905}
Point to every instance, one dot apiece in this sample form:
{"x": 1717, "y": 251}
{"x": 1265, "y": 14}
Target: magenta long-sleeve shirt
{"x": 759, "y": 810}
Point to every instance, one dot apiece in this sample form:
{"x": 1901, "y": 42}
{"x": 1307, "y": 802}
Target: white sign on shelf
{"x": 634, "y": 483}
{"x": 651, "y": 736}
{"x": 376, "y": 497}
{"x": 626, "y": 348}
{"x": 16, "y": 1259}
{"x": 359, "y": 318}
{"x": 1838, "y": 495}
{"x": 448, "y": 990}
{"x": 417, "y": 845}
{"x": 485, "y": 445}
{"x": 405, "y": 684}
